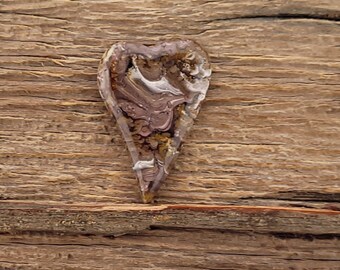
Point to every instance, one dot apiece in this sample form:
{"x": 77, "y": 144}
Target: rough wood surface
{"x": 269, "y": 127}
{"x": 266, "y": 140}
{"x": 108, "y": 219}
{"x": 169, "y": 249}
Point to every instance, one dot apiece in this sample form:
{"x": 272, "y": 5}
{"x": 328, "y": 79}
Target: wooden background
{"x": 257, "y": 183}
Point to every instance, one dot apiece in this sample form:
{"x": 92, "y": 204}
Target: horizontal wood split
{"x": 106, "y": 219}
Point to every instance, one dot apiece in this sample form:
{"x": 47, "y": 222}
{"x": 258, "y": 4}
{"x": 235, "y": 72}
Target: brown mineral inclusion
{"x": 154, "y": 92}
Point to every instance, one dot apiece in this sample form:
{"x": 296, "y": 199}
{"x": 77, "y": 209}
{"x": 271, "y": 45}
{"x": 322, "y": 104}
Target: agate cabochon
{"x": 154, "y": 92}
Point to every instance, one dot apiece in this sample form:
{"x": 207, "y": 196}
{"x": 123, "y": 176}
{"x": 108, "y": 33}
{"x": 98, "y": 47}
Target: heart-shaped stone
{"x": 154, "y": 92}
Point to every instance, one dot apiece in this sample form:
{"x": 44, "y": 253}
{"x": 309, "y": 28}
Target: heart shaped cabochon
{"x": 154, "y": 92}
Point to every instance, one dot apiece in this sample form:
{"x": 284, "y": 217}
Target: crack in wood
{"x": 33, "y": 15}
{"x": 280, "y": 16}
{"x": 307, "y": 236}
{"x": 306, "y": 196}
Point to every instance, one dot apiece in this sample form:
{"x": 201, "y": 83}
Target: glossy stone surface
{"x": 155, "y": 94}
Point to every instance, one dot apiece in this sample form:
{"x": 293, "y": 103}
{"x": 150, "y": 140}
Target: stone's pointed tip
{"x": 148, "y": 197}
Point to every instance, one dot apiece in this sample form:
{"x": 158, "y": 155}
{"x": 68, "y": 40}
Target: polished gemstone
{"x": 154, "y": 92}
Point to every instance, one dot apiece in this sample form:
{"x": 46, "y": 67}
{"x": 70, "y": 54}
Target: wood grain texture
{"x": 115, "y": 220}
{"x": 264, "y": 149}
{"x": 269, "y": 127}
{"x": 169, "y": 249}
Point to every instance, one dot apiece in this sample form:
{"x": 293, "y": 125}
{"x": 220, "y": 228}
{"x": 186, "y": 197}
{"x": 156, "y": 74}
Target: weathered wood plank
{"x": 269, "y": 128}
{"x": 169, "y": 249}
{"x": 265, "y": 148}
{"x": 116, "y": 220}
